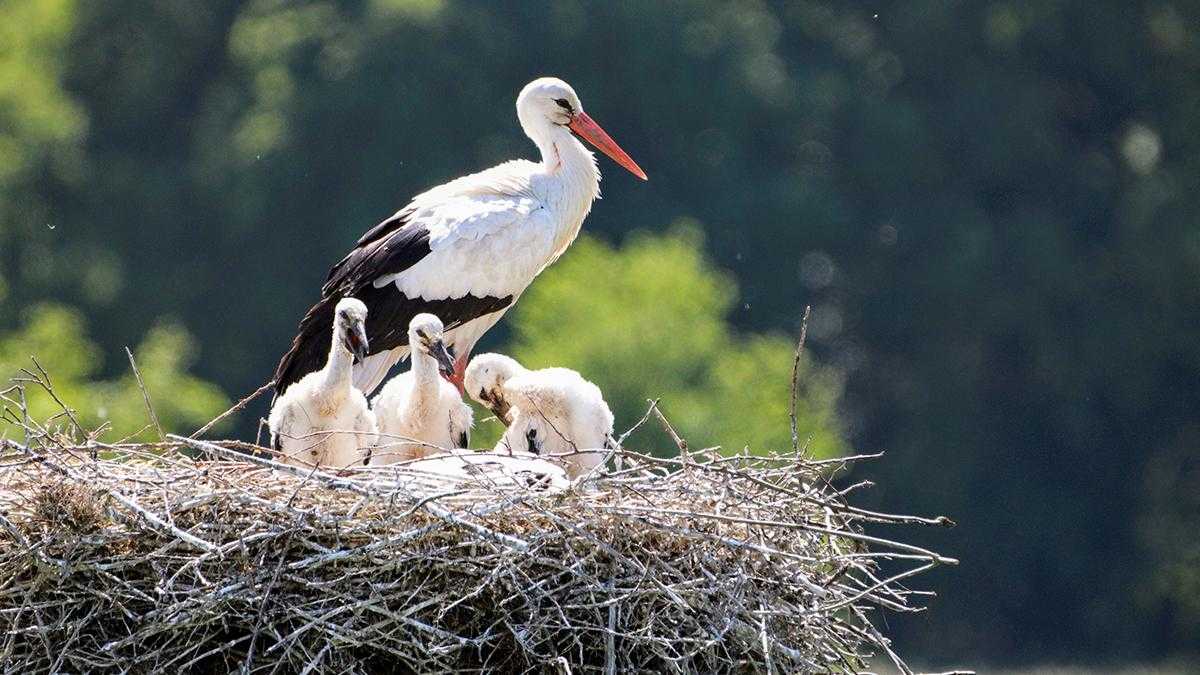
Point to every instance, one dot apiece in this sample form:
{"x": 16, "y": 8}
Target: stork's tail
{"x": 370, "y": 372}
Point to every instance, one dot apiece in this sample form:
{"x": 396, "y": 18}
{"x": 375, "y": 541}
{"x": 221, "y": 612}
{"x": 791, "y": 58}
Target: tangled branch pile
{"x": 191, "y": 556}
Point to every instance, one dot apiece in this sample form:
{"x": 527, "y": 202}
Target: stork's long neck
{"x": 572, "y": 179}
{"x": 336, "y": 376}
{"x": 425, "y": 372}
{"x": 422, "y": 401}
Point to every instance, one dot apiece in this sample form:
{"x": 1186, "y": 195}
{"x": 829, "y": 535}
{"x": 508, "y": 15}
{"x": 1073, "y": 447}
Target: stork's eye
{"x": 564, "y": 104}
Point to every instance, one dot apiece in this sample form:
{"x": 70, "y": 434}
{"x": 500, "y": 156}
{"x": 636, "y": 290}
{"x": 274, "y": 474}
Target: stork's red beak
{"x": 587, "y": 129}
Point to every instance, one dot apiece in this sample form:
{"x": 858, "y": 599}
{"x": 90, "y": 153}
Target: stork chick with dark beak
{"x": 322, "y": 419}
{"x": 420, "y": 413}
{"x": 354, "y": 336}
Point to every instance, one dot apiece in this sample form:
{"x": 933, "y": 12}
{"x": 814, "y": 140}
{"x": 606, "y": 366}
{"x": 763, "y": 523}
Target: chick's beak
{"x": 445, "y": 361}
{"x": 356, "y": 342}
{"x": 500, "y": 409}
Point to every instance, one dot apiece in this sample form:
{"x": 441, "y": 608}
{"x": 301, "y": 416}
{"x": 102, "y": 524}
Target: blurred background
{"x": 992, "y": 207}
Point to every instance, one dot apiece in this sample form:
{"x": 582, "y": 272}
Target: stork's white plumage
{"x": 553, "y": 413}
{"x": 419, "y": 405}
{"x": 466, "y": 250}
{"x": 323, "y": 419}
{"x": 464, "y": 468}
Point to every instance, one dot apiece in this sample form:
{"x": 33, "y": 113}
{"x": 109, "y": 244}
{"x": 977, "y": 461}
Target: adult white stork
{"x": 466, "y": 250}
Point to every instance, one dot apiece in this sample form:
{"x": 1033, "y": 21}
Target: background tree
{"x": 659, "y": 304}
{"x": 57, "y": 337}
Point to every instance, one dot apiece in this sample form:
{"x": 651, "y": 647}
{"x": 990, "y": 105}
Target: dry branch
{"x": 796, "y": 377}
{"x": 137, "y": 374}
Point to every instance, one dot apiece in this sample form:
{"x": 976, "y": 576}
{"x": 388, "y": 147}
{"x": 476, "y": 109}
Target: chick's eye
{"x": 564, "y": 104}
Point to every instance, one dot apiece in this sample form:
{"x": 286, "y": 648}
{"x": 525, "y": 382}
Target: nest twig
{"x": 194, "y": 556}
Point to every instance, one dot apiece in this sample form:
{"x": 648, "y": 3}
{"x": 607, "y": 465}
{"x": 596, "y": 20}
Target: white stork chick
{"x": 553, "y": 413}
{"x": 322, "y": 419}
{"x": 420, "y": 413}
{"x": 468, "y": 249}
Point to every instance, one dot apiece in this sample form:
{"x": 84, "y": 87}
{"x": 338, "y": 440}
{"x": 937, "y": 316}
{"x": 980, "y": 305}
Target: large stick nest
{"x": 190, "y": 556}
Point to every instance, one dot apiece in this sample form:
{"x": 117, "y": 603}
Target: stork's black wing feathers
{"x": 308, "y": 351}
{"x": 386, "y": 227}
{"x": 389, "y": 312}
{"x": 388, "y": 248}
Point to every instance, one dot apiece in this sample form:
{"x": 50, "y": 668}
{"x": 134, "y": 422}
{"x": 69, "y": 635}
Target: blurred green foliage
{"x": 57, "y": 338}
{"x": 40, "y": 118}
{"x": 658, "y": 303}
{"x": 41, "y": 127}
{"x": 991, "y": 206}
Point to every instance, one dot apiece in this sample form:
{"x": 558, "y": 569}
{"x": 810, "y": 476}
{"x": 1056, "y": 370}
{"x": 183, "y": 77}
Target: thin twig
{"x": 795, "y": 378}
{"x": 670, "y": 429}
{"x": 161, "y": 524}
{"x": 46, "y": 384}
{"x": 145, "y": 395}
{"x": 235, "y": 408}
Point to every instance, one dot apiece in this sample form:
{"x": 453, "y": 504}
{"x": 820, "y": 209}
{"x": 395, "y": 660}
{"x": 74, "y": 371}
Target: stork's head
{"x": 350, "y": 327}
{"x": 484, "y": 382}
{"x": 548, "y": 104}
{"x": 425, "y": 337}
